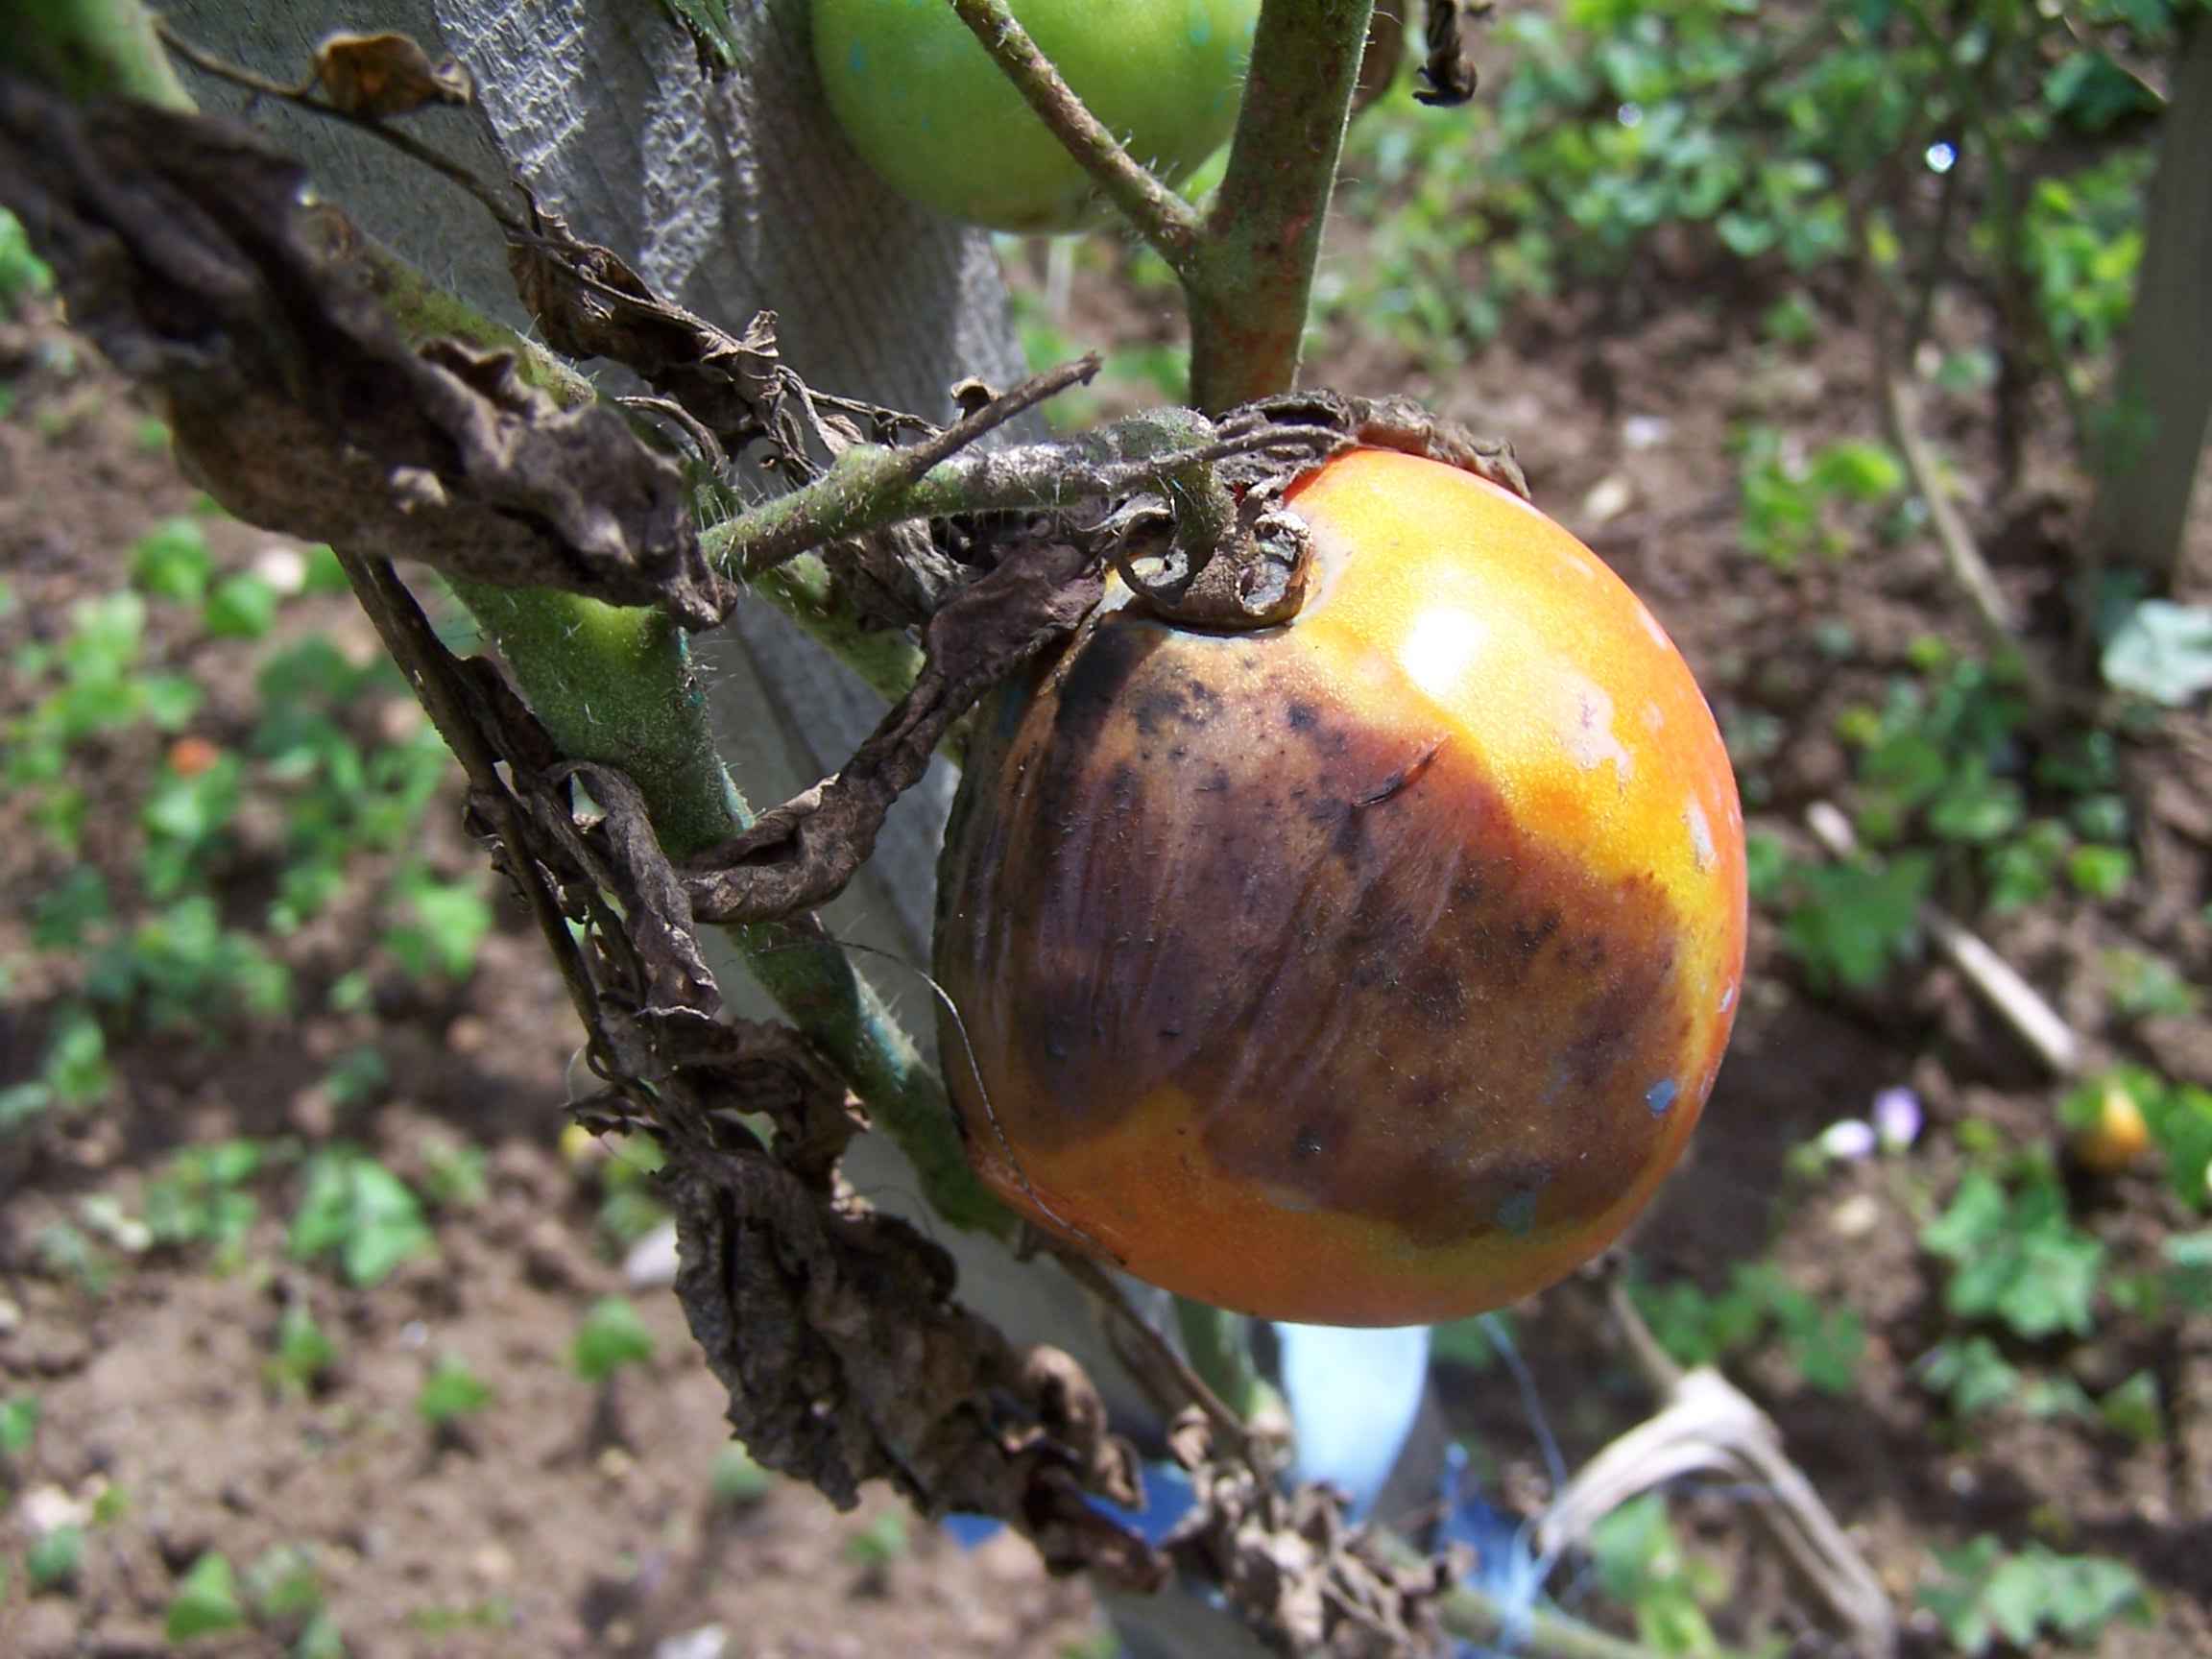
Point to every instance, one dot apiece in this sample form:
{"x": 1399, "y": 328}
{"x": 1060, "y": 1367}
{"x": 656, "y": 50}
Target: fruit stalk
{"x": 1161, "y": 216}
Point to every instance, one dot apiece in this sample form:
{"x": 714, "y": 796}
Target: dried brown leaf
{"x": 590, "y": 303}
{"x": 799, "y": 854}
{"x": 184, "y": 250}
{"x": 380, "y": 75}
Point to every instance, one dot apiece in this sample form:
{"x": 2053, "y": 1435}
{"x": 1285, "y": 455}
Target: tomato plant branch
{"x": 1219, "y": 1345}
{"x": 1160, "y": 215}
{"x": 1249, "y": 294}
{"x": 301, "y": 97}
{"x": 1247, "y": 268}
{"x": 870, "y": 485}
{"x": 1473, "y": 1616}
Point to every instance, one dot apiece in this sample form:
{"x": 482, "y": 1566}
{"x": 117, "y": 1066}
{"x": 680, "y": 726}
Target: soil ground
{"x": 568, "y": 1520}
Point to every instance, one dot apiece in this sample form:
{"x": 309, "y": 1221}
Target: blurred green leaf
{"x": 304, "y": 1353}
{"x": 2017, "y": 1256}
{"x": 282, "y": 1584}
{"x": 22, "y": 272}
{"x": 18, "y": 1424}
{"x": 451, "y": 1392}
{"x": 171, "y": 560}
{"x": 206, "y": 1601}
{"x": 450, "y": 921}
{"x": 2100, "y": 871}
{"x": 738, "y": 1482}
{"x": 1983, "y": 1594}
{"x": 240, "y": 607}
{"x": 356, "y": 1210}
{"x": 1970, "y": 1372}
{"x": 1855, "y": 919}
{"x": 52, "y": 1562}
{"x": 611, "y": 1336}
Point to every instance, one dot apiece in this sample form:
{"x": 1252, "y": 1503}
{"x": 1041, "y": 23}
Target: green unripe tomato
{"x": 929, "y": 110}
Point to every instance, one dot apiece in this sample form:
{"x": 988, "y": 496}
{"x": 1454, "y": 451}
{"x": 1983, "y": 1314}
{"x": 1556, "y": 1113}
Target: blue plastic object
{"x": 1353, "y": 1395}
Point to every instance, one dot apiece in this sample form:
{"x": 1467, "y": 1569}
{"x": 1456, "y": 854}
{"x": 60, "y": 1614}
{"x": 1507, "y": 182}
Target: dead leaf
{"x": 380, "y": 75}
{"x": 803, "y": 852}
{"x": 184, "y": 250}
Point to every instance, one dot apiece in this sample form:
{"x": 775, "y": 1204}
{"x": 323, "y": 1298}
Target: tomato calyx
{"x": 1217, "y": 548}
{"x": 1200, "y": 567}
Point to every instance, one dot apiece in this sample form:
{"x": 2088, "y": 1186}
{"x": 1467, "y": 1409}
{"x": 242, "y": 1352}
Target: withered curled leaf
{"x": 379, "y": 75}
{"x": 804, "y": 852}
{"x": 184, "y": 250}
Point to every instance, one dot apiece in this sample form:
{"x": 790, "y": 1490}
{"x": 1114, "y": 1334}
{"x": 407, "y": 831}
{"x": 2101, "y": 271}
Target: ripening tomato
{"x": 1369, "y": 970}
{"x": 2114, "y": 1137}
{"x": 929, "y": 110}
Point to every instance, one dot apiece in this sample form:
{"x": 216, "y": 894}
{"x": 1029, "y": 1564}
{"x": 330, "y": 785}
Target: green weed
{"x": 451, "y": 1392}
{"x": 304, "y": 1353}
{"x": 611, "y": 1336}
{"x": 355, "y": 1212}
{"x": 1758, "y": 1306}
{"x": 1983, "y": 1594}
{"x": 2016, "y": 1255}
{"x": 1642, "y": 1565}
{"x": 206, "y": 1601}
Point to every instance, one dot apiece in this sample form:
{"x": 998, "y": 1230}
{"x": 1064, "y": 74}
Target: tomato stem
{"x": 1254, "y": 279}
{"x": 1160, "y": 215}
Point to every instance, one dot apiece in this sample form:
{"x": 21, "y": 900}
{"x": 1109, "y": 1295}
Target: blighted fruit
{"x": 1368, "y": 969}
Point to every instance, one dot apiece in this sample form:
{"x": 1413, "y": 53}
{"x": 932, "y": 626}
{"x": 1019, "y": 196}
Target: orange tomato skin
{"x": 2118, "y": 1139}
{"x": 1371, "y": 970}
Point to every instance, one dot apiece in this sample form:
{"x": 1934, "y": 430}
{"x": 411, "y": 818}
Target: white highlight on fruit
{"x": 1440, "y": 647}
{"x": 1586, "y": 727}
{"x": 1701, "y": 845}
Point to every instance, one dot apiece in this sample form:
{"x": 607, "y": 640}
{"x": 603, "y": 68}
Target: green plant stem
{"x": 1247, "y": 270}
{"x": 1218, "y": 1344}
{"x": 1473, "y": 1616}
{"x": 1161, "y": 216}
{"x": 888, "y": 660}
{"x": 92, "y": 49}
{"x": 874, "y": 485}
{"x": 616, "y": 685}
{"x": 1249, "y": 296}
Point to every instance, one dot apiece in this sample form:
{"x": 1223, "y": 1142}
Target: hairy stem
{"x": 1161, "y": 216}
{"x": 887, "y": 660}
{"x": 1249, "y": 295}
{"x": 613, "y": 685}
